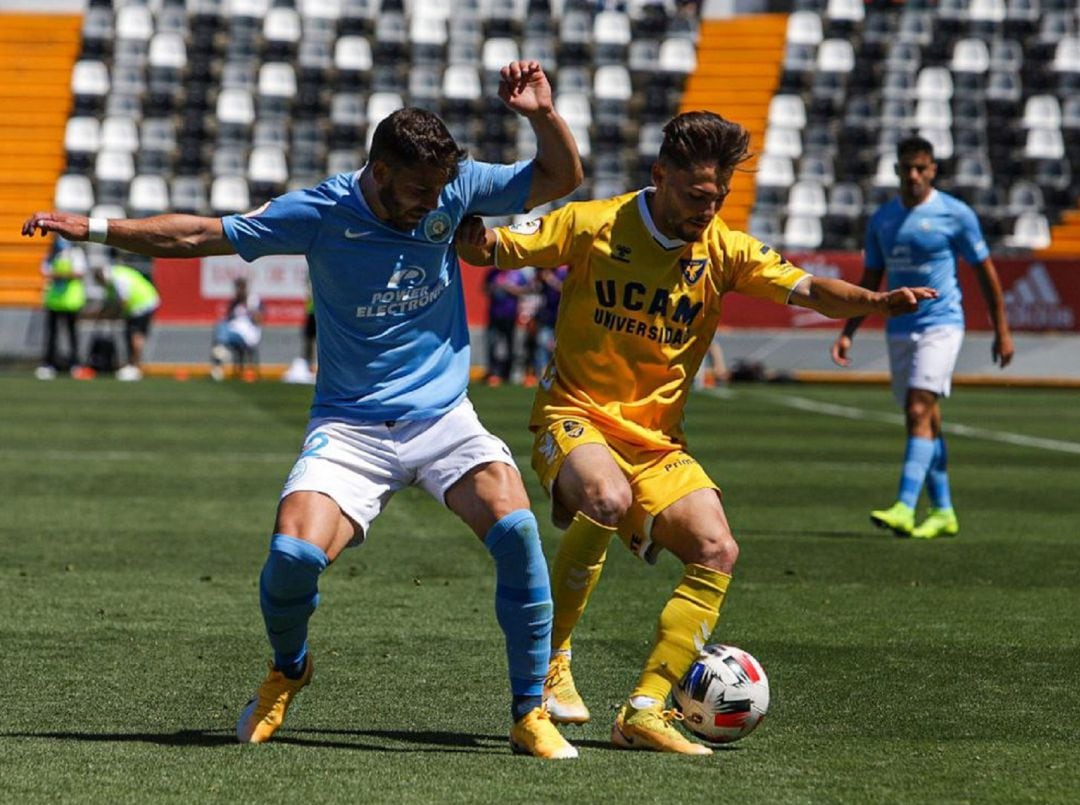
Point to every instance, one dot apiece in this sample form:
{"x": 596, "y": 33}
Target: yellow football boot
{"x": 898, "y": 518}
{"x": 651, "y": 728}
{"x": 561, "y": 698}
{"x": 938, "y": 523}
{"x": 535, "y": 735}
{"x": 265, "y": 712}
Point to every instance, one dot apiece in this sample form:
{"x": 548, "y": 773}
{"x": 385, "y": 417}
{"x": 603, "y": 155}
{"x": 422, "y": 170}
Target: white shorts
{"x": 924, "y": 361}
{"x": 361, "y": 465}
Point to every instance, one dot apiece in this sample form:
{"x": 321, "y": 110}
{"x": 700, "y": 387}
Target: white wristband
{"x": 99, "y": 230}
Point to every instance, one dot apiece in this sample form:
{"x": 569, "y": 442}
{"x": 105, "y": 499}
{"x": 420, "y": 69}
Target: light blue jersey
{"x": 393, "y": 337}
{"x": 918, "y": 246}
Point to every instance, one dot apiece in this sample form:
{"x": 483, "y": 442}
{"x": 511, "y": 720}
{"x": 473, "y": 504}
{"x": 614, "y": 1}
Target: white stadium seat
{"x": 803, "y": 232}
{"x": 148, "y": 195}
{"x": 229, "y": 194}
{"x": 74, "y": 193}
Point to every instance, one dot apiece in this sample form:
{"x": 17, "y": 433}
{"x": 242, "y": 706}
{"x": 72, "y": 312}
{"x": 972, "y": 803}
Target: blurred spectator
{"x": 238, "y": 334}
{"x": 65, "y": 296}
{"x": 550, "y": 283}
{"x": 504, "y": 290}
{"x": 302, "y": 369}
{"x": 134, "y": 298}
{"x": 713, "y": 371}
{"x": 528, "y": 326}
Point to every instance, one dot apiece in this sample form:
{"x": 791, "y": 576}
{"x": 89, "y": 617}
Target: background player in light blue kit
{"x": 914, "y": 240}
{"x": 390, "y": 407}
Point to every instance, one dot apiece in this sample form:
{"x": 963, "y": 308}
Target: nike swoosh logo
{"x": 355, "y": 234}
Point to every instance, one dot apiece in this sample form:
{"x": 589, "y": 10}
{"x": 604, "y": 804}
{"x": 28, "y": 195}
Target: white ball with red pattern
{"x": 724, "y": 695}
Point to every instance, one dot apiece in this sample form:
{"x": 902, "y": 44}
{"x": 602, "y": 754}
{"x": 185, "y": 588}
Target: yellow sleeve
{"x": 759, "y": 270}
{"x": 546, "y": 242}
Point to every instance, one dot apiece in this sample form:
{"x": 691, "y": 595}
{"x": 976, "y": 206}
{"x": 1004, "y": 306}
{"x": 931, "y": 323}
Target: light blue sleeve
{"x": 969, "y": 240}
{"x": 287, "y": 224}
{"x": 873, "y": 256}
{"x": 496, "y": 189}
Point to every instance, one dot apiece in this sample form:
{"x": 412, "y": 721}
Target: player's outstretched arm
{"x": 171, "y": 235}
{"x": 839, "y": 299}
{"x": 474, "y": 242}
{"x": 557, "y": 167}
{"x": 841, "y": 348}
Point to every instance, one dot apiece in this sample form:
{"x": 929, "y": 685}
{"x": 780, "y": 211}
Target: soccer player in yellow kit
{"x": 639, "y": 308}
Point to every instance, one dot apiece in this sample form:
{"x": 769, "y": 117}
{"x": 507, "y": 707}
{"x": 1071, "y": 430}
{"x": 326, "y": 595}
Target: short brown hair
{"x": 413, "y": 136}
{"x": 704, "y": 138}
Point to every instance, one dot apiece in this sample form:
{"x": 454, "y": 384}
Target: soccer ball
{"x": 724, "y": 695}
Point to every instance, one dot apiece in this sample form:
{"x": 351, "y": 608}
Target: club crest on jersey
{"x": 573, "y": 429}
{"x": 437, "y": 226}
{"x": 693, "y": 269}
{"x": 526, "y": 227}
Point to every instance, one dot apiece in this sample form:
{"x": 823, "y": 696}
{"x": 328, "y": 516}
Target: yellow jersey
{"x": 638, "y": 310}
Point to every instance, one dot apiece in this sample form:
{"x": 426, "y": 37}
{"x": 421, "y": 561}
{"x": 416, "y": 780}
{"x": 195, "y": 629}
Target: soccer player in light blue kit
{"x": 390, "y": 407}
{"x": 914, "y": 240}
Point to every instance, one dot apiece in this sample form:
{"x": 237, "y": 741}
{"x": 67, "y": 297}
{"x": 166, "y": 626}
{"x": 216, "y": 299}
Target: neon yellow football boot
{"x": 898, "y": 518}
{"x": 560, "y": 696}
{"x": 265, "y": 712}
{"x": 938, "y": 523}
{"x": 535, "y": 735}
{"x": 651, "y": 728}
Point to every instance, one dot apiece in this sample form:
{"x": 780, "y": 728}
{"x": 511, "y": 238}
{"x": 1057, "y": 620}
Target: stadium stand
{"x": 211, "y": 103}
{"x": 37, "y": 54}
{"x": 740, "y": 62}
{"x": 986, "y": 81}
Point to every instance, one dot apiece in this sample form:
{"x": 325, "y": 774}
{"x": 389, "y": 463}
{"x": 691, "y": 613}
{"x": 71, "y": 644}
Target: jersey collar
{"x": 663, "y": 240}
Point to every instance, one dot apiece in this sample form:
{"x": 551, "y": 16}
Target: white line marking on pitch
{"x": 848, "y": 412}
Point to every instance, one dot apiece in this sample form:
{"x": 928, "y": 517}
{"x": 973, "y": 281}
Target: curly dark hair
{"x": 704, "y": 138}
{"x": 413, "y": 136}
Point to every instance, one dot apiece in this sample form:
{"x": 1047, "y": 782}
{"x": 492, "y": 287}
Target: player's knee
{"x": 718, "y": 551}
{"x": 920, "y": 406}
{"x": 498, "y": 485}
{"x": 607, "y": 503}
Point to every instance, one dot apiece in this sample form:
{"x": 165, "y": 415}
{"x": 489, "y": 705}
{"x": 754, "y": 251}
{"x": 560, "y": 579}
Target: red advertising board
{"x": 1040, "y": 295}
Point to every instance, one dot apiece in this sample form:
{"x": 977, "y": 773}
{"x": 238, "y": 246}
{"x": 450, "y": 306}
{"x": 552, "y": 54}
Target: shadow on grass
{"x": 803, "y": 532}
{"x": 412, "y": 741}
{"x": 178, "y": 738}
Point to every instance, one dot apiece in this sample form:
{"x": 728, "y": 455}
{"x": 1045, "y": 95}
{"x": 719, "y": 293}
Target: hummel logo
{"x": 699, "y": 641}
{"x": 577, "y": 578}
{"x": 354, "y": 234}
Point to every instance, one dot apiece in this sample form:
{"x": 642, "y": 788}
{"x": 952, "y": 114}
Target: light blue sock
{"x": 522, "y": 605}
{"x": 288, "y": 595}
{"x": 937, "y": 480}
{"x": 917, "y": 458}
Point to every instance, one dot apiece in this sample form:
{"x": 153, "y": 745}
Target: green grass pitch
{"x": 136, "y": 519}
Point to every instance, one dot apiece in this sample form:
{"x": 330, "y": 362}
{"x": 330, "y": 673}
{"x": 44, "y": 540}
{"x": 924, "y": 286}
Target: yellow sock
{"x": 686, "y": 623}
{"x": 574, "y": 574}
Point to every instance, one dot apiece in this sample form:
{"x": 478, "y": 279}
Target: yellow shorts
{"x": 657, "y": 478}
